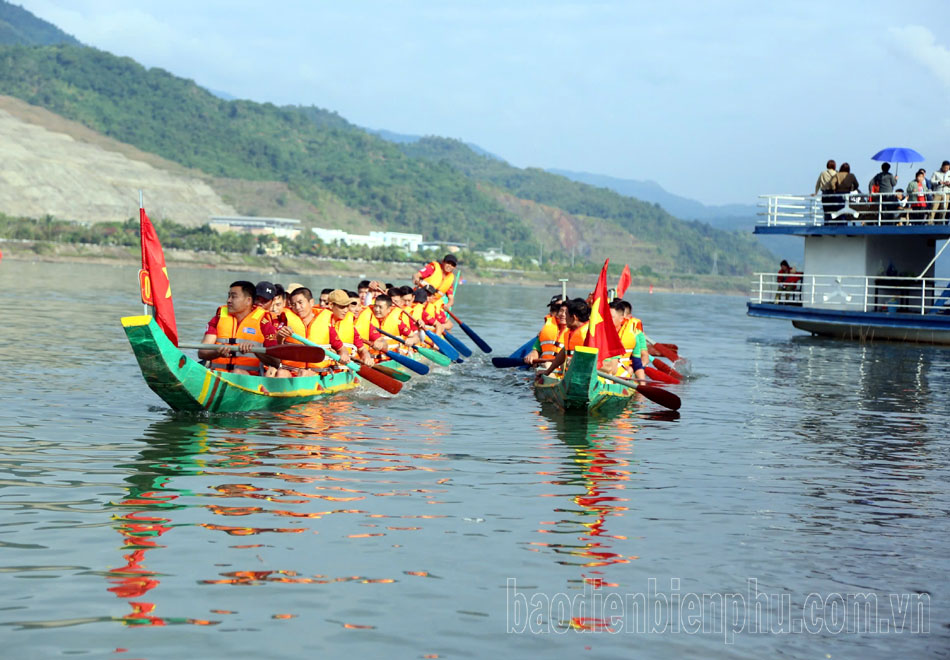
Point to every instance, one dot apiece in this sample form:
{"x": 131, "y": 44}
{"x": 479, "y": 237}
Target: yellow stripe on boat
{"x": 586, "y": 349}
{"x": 202, "y": 398}
{"x": 134, "y": 321}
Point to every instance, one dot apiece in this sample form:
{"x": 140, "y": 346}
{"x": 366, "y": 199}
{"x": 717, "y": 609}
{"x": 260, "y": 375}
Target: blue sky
{"x": 717, "y": 101}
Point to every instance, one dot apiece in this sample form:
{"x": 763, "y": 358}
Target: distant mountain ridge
{"x": 651, "y": 191}
{"x": 266, "y": 158}
{"x": 20, "y": 27}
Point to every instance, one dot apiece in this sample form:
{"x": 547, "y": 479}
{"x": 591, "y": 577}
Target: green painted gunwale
{"x": 186, "y": 385}
{"x": 581, "y": 390}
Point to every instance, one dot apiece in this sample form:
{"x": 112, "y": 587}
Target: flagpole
{"x": 145, "y": 310}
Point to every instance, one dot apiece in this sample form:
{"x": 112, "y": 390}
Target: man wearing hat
{"x": 440, "y": 275}
{"x": 550, "y": 340}
{"x": 342, "y": 324}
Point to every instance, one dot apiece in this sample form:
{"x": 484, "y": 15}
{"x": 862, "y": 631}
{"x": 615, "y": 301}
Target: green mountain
{"x": 696, "y": 246}
{"x": 313, "y": 151}
{"x": 440, "y": 188}
{"x": 18, "y": 26}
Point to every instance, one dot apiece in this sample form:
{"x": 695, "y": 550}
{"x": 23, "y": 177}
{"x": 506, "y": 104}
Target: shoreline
{"x": 290, "y": 267}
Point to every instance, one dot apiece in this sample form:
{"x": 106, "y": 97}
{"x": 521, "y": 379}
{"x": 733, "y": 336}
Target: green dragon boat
{"x": 580, "y": 389}
{"x": 184, "y": 384}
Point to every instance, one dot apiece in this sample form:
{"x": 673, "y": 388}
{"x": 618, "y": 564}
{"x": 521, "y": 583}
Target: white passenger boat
{"x": 868, "y": 272}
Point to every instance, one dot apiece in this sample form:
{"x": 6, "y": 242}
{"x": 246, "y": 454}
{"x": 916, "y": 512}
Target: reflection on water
{"x": 596, "y": 470}
{"x": 376, "y": 527}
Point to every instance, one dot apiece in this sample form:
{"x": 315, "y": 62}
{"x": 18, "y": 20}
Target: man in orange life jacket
{"x": 440, "y": 275}
{"x": 391, "y": 319}
{"x": 433, "y": 315}
{"x": 551, "y": 338}
{"x": 578, "y": 316}
{"x": 238, "y": 327}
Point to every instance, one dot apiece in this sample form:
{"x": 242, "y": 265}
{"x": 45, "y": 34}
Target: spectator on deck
{"x": 940, "y": 183}
{"x": 898, "y": 209}
{"x": 826, "y": 185}
{"x": 881, "y": 188}
{"x": 918, "y": 192}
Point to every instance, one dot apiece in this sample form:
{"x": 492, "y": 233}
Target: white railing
{"x": 882, "y": 209}
{"x": 856, "y": 293}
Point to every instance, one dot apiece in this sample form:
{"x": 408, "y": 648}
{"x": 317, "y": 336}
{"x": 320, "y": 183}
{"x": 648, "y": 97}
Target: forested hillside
{"x": 18, "y": 26}
{"x": 440, "y": 188}
{"x": 696, "y": 245}
{"x": 310, "y": 150}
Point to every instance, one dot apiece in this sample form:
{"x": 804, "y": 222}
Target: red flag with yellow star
{"x": 153, "y": 279}
{"x": 602, "y": 334}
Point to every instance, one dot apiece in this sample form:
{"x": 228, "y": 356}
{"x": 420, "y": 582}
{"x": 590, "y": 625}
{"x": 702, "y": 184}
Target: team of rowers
{"x": 566, "y": 327}
{"x": 352, "y": 325}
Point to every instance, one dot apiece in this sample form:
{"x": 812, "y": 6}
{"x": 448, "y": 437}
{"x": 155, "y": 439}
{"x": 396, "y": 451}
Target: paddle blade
{"x": 659, "y": 376}
{"x": 379, "y": 379}
{"x": 524, "y": 349}
{"x": 665, "y": 351}
{"x": 435, "y": 356}
{"x": 408, "y": 362}
{"x": 660, "y": 396}
{"x": 296, "y": 352}
{"x": 667, "y": 369}
{"x": 485, "y": 348}
{"x": 444, "y": 347}
{"x": 395, "y": 374}
{"x": 506, "y": 363}
{"x": 458, "y": 345}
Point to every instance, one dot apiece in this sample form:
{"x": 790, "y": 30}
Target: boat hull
{"x": 864, "y": 326}
{"x": 186, "y": 385}
{"x": 581, "y": 390}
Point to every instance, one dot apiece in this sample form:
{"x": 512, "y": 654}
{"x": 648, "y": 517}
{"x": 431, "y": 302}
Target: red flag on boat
{"x": 602, "y": 334}
{"x": 153, "y": 279}
{"x": 624, "y": 281}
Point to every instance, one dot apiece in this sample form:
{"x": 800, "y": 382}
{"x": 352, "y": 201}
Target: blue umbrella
{"x": 898, "y": 155}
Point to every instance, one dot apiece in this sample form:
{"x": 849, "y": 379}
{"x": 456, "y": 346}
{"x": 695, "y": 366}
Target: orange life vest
{"x": 549, "y": 337}
{"x": 363, "y": 322}
{"x": 576, "y": 338}
{"x": 439, "y": 280}
{"x": 229, "y": 331}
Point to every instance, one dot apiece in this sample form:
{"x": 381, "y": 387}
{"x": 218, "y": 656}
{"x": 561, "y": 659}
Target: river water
{"x": 798, "y": 505}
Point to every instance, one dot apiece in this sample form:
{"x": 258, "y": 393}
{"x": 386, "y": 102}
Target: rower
{"x": 632, "y": 340}
{"x": 392, "y": 320}
{"x": 578, "y": 315}
{"x": 342, "y": 321}
{"x": 264, "y": 295}
{"x": 550, "y": 340}
{"x": 433, "y": 315}
{"x": 331, "y": 328}
{"x": 440, "y": 275}
{"x": 325, "y": 298}
{"x": 237, "y": 327}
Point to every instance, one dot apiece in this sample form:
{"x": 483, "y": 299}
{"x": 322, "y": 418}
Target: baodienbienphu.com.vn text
{"x": 751, "y": 611}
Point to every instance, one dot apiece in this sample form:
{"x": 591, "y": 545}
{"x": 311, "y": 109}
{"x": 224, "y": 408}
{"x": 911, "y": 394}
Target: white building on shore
{"x": 284, "y": 227}
{"x": 408, "y": 242}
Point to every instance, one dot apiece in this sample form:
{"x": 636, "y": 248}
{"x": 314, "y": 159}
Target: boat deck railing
{"x": 855, "y": 293}
{"x": 882, "y": 209}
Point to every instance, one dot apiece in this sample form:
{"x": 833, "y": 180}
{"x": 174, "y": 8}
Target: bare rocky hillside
{"x": 53, "y": 166}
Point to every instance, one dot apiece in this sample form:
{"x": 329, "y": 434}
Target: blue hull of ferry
{"x": 865, "y": 326}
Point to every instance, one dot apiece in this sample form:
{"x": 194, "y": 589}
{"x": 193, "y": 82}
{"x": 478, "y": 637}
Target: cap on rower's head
{"x": 265, "y": 290}
{"x": 340, "y": 297}
{"x": 293, "y": 286}
{"x": 556, "y": 300}
{"x": 450, "y": 259}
